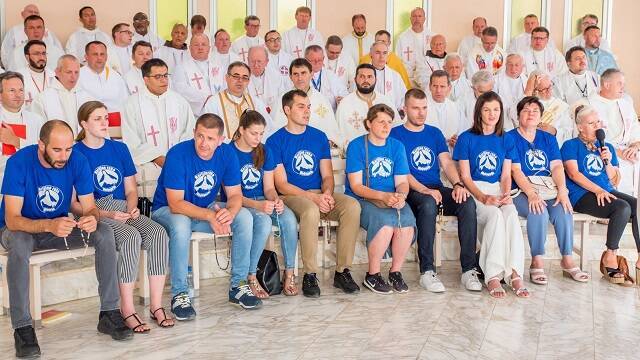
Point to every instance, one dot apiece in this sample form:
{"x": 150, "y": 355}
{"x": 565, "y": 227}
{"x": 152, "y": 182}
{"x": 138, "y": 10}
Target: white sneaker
{"x": 470, "y": 280}
{"x": 430, "y": 281}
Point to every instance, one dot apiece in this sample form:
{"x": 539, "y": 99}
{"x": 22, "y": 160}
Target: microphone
{"x": 600, "y": 136}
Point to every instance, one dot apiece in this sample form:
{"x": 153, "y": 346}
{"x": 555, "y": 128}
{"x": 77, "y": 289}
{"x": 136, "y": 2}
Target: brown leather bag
{"x": 622, "y": 265}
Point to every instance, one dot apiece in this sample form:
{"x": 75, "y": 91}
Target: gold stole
{"x": 231, "y": 111}
{"x": 369, "y": 102}
{"x": 550, "y": 113}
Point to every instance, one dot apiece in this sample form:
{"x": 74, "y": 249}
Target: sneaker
{"x": 430, "y": 281}
{"x": 111, "y": 323}
{"x": 181, "y": 307}
{"x": 470, "y": 280}
{"x": 244, "y": 297}
{"x": 377, "y": 284}
{"x": 397, "y": 282}
{"x": 344, "y": 281}
{"x": 26, "y": 342}
{"x": 310, "y": 286}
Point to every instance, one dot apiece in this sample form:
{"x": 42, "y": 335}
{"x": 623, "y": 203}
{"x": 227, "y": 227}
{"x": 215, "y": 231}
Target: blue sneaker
{"x": 181, "y": 307}
{"x": 243, "y": 296}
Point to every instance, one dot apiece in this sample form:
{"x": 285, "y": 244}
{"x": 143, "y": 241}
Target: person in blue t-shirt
{"x": 259, "y": 196}
{"x": 304, "y": 175}
{"x": 377, "y": 172}
{"x": 592, "y": 175}
{"x": 185, "y": 201}
{"x": 484, "y": 155}
{"x": 39, "y": 183}
{"x": 539, "y": 155}
{"x": 115, "y": 189}
{"x": 427, "y": 152}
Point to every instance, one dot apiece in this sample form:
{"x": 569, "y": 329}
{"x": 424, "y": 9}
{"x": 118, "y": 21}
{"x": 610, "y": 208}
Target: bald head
{"x": 438, "y": 45}
{"x": 29, "y": 10}
{"x": 55, "y": 128}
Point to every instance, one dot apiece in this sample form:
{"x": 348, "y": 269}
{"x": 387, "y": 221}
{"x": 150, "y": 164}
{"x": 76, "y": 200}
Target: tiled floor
{"x": 564, "y": 320}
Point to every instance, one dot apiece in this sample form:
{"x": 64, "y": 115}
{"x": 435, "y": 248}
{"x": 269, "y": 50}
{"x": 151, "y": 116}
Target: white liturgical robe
{"x": 355, "y": 46}
{"x": 17, "y": 38}
{"x": 556, "y": 114}
{"x": 18, "y": 59}
{"x": 446, "y": 116}
{"x": 328, "y": 84}
{"x": 267, "y": 88}
{"x": 153, "y": 39}
{"x": 242, "y": 45}
{"x": 520, "y": 43}
{"x": 35, "y": 83}
{"x": 572, "y": 87}
{"x": 479, "y": 59}
{"x": 295, "y": 41}
{"x": 153, "y": 124}
{"x": 511, "y": 91}
{"x": 172, "y": 57}
{"x": 280, "y": 62}
{"x": 548, "y": 60}
{"x": 389, "y": 83}
{"x": 344, "y": 68}
{"x": 224, "y": 59}
{"x": 466, "y": 45}
{"x": 230, "y": 108}
{"x": 120, "y": 57}
{"x": 460, "y": 88}
{"x": 425, "y": 66}
{"x": 133, "y": 79}
{"x": 579, "y": 41}
{"x": 197, "y": 80}
{"x": 411, "y": 45}
{"x": 81, "y": 37}
{"x": 352, "y": 111}
{"x": 24, "y": 123}
{"x": 108, "y": 87}
{"x": 56, "y": 102}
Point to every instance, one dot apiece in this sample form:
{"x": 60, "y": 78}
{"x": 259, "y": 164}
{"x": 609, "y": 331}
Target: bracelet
{"x": 459, "y": 183}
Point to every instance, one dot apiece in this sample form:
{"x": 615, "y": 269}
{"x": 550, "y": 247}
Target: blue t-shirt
{"x": 300, "y": 155}
{"x": 46, "y": 192}
{"x": 200, "y": 179}
{"x": 422, "y": 149}
{"x": 535, "y": 158}
{"x": 384, "y": 163}
{"x": 110, "y": 165}
{"x": 589, "y": 164}
{"x": 252, "y": 186}
{"x": 485, "y": 153}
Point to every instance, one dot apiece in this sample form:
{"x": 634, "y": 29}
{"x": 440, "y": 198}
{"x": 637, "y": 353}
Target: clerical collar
{"x": 11, "y": 117}
{"x": 370, "y": 98}
{"x": 233, "y": 98}
{"x": 359, "y": 36}
{"x": 431, "y": 54}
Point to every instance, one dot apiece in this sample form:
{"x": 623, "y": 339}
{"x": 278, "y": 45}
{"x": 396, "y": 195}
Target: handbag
{"x": 144, "y": 204}
{"x": 268, "y": 272}
{"x": 544, "y": 186}
{"x": 375, "y": 202}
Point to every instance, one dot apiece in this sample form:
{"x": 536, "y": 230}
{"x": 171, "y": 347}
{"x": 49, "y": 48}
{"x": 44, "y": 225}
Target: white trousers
{"x": 501, "y": 237}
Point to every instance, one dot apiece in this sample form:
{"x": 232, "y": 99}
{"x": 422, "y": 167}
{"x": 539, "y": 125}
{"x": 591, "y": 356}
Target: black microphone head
{"x": 600, "y": 136}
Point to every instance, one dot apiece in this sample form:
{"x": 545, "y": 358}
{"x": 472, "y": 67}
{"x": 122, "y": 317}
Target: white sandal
{"x": 537, "y": 276}
{"x": 576, "y": 274}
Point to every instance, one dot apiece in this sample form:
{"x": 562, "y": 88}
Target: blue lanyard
{"x": 317, "y": 85}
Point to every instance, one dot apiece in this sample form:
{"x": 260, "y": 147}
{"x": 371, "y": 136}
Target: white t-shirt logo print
{"x": 204, "y": 182}
{"x": 422, "y": 158}
{"x": 304, "y": 163}
{"x": 49, "y": 198}
{"x": 106, "y": 178}
{"x": 487, "y": 162}
{"x": 250, "y": 176}
{"x": 536, "y": 159}
{"x": 381, "y": 167}
{"x": 593, "y": 164}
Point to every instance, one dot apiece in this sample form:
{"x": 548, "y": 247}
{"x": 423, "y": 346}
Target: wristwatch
{"x": 459, "y": 183}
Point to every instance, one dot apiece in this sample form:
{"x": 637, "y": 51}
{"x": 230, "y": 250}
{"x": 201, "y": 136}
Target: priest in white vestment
{"x": 322, "y": 117}
{"x": 323, "y": 80}
{"x": 482, "y": 81}
{"x": 543, "y": 57}
{"x": 413, "y": 42}
{"x": 354, "y": 107}
{"x": 578, "y": 40}
{"x": 142, "y": 52}
{"x": 142, "y": 33}
{"x": 521, "y": 42}
{"x": 487, "y": 56}
{"x": 279, "y": 59}
{"x": 121, "y": 52}
{"x": 221, "y": 52}
{"x": 265, "y": 84}
{"x": 444, "y": 113}
{"x": 156, "y": 118}
{"x": 174, "y": 51}
{"x": 388, "y": 81}
{"x": 299, "y": 37}
{"x": 231, "y": 102}
{"x": 63, "y": 98}
{"x": 620, "y": 123}
{"x": 510, "y": 84}
{"x": 357, "y": 43}
{"x": 37, "y": 77}
{"x": 198, "y": 77}
{"x": 431, "y": 61}
{"x": 579, "y": 82}
{"x": 16, "y": 35}
{"x": 33, "y": 30}
{"x": 20, "y": 127}
{"x": 85, "y": 34}
{"x": 470, "y": 41}
{"x": 250, "y": 38}
{"x": 104, "y": 84}
{"x": 460, "y": 85}
{"x": 339, "y": 63}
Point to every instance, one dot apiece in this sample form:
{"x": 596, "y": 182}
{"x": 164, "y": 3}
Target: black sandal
{"x": 140, "y": 323}
{"x": 161, "y": 324}
{"x": 611, "y": 273}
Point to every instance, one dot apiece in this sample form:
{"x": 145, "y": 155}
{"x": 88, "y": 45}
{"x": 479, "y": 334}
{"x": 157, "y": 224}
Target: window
{"x": 283, "y": 13}
{"x": 400, "y": 14}
{"x": 575, "y": 10}
{"x": 168, "y": 13}
{"x": 520, "y": 9}
{"x": 229, "y": 15}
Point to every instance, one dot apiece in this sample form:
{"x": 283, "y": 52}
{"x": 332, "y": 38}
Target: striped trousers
{"x": 133, "y": 235}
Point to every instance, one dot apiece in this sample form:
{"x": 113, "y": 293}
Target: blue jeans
{"x": 179, "y": 227}
{"x": 288, "y": 236}
{"x": 537, "y": 225}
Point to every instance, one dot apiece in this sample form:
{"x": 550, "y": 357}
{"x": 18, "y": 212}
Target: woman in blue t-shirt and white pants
{"x": 377, "y": 172}
{"x": 262, "y": 201}
{"x": 116, "y": 194}
{"x": 484, "y": 155}
{"x": 539, "y": 155}
{"x": 593, "y": 174}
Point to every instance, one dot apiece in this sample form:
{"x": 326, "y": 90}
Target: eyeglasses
{"x": 128, "y": 32}
{"x": 159, "y": 76}
{"x": 238, "y": 77}
{"x": 540, "y": 38}
{"x": 274, "y": 39}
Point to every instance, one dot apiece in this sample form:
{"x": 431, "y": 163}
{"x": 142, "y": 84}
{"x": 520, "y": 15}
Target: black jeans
{"x": 425, "y": 210}
{"x": 619, "y": 212}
